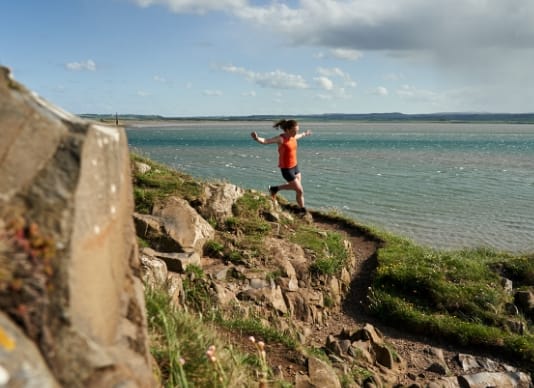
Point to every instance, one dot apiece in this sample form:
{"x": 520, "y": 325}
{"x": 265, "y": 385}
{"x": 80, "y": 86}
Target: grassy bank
{"x": 458, "y": 296}
{"x": 455, "y": 296}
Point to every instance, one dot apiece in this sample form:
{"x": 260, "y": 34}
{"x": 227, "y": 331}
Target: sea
{"x": 443, "y": 185}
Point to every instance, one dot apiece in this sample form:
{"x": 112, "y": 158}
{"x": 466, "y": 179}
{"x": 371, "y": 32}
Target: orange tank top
{"x": 287, "y": 152}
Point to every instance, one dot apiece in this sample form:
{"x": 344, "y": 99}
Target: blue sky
{"x": 242, "y": 57}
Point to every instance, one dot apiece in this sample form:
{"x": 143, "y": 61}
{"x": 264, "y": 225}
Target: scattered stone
{"x": 154, "y": 270}
{"x": 218, "y": 200}
{"x": 183, "y": 224}
{"x": 321, "y": 374}
{"x": 495, "y": 379}
{"x": 467, "y": 362}
{"x": 142, "y": 168}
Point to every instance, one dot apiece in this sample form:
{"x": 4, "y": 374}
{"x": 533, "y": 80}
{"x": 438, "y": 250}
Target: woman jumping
{"x": 287, "y": 158}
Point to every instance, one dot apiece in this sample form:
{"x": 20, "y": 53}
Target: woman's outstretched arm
{"x": 303, "y": 134}
{"x": 262, "y": 140}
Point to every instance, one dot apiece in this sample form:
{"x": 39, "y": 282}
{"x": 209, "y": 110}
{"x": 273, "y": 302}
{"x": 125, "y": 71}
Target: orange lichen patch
{"x": 27, "y": 258}
{"x": 6, "y": 341}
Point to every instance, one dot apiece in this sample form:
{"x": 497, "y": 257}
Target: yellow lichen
{"x": 6, "y": 341}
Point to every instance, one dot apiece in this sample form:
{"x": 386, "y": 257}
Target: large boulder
{"x": 183, "y": 224}
{"x": 66, "y": 204}
{"x": 219, "y": 199}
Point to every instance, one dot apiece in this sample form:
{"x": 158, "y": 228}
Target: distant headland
{"x": 450, "y": 117}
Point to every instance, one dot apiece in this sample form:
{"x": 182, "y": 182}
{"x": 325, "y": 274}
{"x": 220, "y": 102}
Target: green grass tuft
{"x": 328, "y": 249}
{"x": 159, "y": 183}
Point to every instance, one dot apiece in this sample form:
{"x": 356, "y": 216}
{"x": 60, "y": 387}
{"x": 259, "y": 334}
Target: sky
{"x": 183, "y": 58}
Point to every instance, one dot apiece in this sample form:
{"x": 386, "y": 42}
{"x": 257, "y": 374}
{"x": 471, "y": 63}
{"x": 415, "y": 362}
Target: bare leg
{"x": 297, "y": 186}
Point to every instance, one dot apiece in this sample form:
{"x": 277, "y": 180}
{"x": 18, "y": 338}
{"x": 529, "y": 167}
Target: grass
{"x": 456, "y": 296}
{"x": 159, "y": 183}
{"x": 453, "y": 295}
{"x": 327, "y": 248}
{"x": 190, "y": 352}
{"x": 180, "y": 342}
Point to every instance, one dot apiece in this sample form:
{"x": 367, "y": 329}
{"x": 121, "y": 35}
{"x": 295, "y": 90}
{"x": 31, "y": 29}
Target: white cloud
{"x": 276, "y": 79}
{"x": 333, "y": 71}
{"x": 212, "y": 93}
{"x": 402, "y": 25}
{"x": 337, "y": 72}
{"x": 394, "y": 77}
{"x": 340, "y": 53}
{"x": 195, "y": 6}
{"x": 251, "y": 93}
{"x": 88, "y": 65}
{"x": 381, "y": 91}
{"x": 346, "y": 54}
{"x": 325, "y": 83}
{"x": 142, "y": 93}
{"x": 158, "y": 78}
{"x": 353, "y": 25}
{"x": 481, "y": 42}
{"x": 325, "y": 97}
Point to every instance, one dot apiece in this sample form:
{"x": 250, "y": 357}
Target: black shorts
{"x": 290, "y": 174}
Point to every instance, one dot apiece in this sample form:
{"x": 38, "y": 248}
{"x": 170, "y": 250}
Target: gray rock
{"x": 271, "y": 297}
{"x": 151, "y": 228}
{"x": 71, "y": 178}
{"x": 179, "y": 261}
{"x": 508, "y": 285}
{"x": 383, "y": 355}
{"x": 467, "y": 362}
{"x": 321, "y": 374}
{"x": 142, "y": 168}
{"x": 183, "y": 224}
{"x": 224, "y": 296}
{"x": 218, "y": 200}
{"x": 154, "y": 270}
{"x": 305, "y": 305}
{"x": 495, "y": 379}
{"x": 21, "y": 364}
{"x": 439, "y": 368}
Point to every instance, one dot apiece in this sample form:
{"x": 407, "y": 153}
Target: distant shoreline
{"x": 447, "y": 118}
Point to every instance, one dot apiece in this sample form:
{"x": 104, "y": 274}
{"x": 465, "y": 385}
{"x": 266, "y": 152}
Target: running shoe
{"x": 273, "y": 190}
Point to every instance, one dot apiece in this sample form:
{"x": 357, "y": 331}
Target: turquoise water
{"x": 442, "y": 185}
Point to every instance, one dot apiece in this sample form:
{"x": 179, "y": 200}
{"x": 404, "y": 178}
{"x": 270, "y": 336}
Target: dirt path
{"x": 353, "y": 314}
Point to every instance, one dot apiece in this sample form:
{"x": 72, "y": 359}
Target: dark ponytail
{"x": 285, "y": 124}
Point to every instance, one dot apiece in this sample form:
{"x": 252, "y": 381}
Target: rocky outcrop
{"x": 174, "y": 226}
{"x": 284, "y": 293}
{"x": 71, "y": 279}
{"x": 218, "y": 200}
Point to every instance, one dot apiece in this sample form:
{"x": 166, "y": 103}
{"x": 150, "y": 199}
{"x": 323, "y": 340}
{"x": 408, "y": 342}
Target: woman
{"x": 287, "y": 158}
